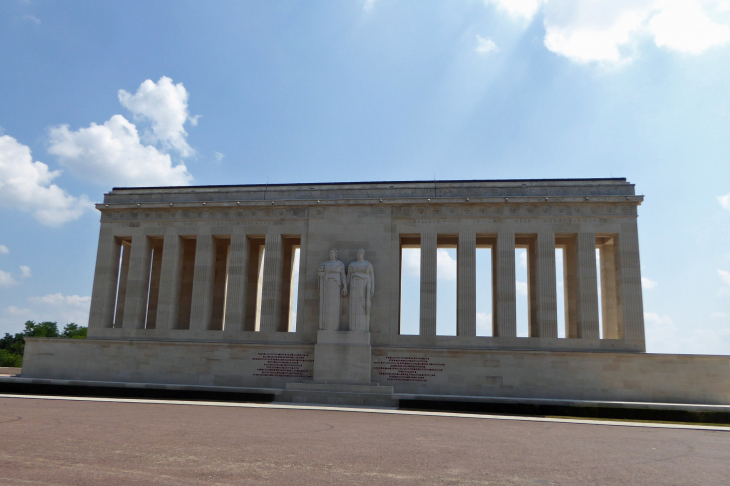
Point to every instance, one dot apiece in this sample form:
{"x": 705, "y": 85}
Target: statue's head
{"x": 333, "y": 254}
{"x": 360, "y": 255}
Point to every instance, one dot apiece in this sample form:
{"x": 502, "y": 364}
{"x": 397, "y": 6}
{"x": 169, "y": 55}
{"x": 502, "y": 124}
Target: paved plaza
{"x": 82, "y": 442}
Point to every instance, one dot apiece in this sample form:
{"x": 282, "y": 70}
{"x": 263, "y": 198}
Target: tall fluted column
{"x": 609, "y": 302}
{"x": 104, "y": 291}
{"x": 271, "y": 286}
{"x": 587, "y": 286}
{"x": 135, "y": 305}
{"x": 168, "y": 302}
{"x": 237, "y": 280}
{"x": 466, "y": 286}
{"x": 628, "y": 268}
{"x": 504, "y": 299}
{"x": 201, "y": 309}
{"x": 428, "y": 284}
{"x": 542, "y": 287}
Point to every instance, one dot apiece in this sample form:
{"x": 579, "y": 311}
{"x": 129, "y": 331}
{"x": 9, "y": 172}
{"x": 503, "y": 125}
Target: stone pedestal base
{"x": 342, "y": 357}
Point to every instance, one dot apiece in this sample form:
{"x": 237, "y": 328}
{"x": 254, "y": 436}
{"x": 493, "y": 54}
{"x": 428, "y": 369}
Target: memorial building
{"x": 296, "y": 289}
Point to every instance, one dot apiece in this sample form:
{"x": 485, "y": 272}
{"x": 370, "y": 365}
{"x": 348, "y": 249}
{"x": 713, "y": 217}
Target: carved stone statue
{"x": 332, "y": 285}
{"x": 361, "y": 279}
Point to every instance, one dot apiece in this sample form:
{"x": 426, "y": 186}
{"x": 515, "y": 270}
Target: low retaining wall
{"x": 419, "y": 371}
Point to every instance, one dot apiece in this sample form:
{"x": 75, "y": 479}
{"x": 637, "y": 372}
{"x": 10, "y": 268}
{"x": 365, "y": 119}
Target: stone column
{"x": 541, "y": 285}
{"x": 271, "y": 286}
{"x": 237, "y": 280}
{"x": 154, "y": 289}
{"x": 135, "y": 305}
{"x": 168, "y": 301}
{"x": 201, "y": 308}
{"x": 504, "y": 289}
{"x": 466, "y": 285}
{"x": 104, "y": 291}
{"x": 586, "y": 286}
{"x": 608, "y": 290}
{"x": 428, "y": 284}
{"x": 628, "y": 269}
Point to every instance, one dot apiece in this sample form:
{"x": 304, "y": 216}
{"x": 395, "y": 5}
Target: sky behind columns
{"x": 103, "y": 94}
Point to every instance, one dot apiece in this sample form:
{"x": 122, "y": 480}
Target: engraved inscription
{"x": 407, "y": 368}
{"x": 285, "y": 365}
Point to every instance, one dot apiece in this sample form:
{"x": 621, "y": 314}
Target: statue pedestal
{"x": 342, "y": 357}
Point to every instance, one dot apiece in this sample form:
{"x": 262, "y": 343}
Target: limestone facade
{"x": 215, "y": 263}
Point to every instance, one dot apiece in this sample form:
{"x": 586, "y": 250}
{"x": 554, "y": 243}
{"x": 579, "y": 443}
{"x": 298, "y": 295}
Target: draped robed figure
{"x": 332, "y": 285}
{"x": 361, "y": 280}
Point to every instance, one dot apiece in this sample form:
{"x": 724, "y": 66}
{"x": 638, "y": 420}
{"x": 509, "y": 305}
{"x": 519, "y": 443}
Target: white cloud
{"x": 62, "y": 308}
{"x": 165, "y": 105}
{"x": 521, "y": 9}
{"x": 485, "y": 46}
{"x": 368, "y": 5}
{"x": 26, "y": 185}
{"x": 6, "y": 280}
{"x": 484, "y": 323}
{"x": 521, "y": 287}
{"x": 412, "y": 262}
{"x": 608, "y": 31}
{"x": 32, "y": 18}
{"x": 647, "y": 283}
{"x": 724, "y": 201}
{"x": 115, "y": 154}
{"x": 724, "y": 276}
{"x": 16, "y": 311}
{"x": 445, "y": 265}
{"x": 4, "y": 250}
{"x": 718, "y": 315}
{"x": 112, "y": 154}
{"x": 655, "y": 318}
{"x": 219, "y": 156}
{"x": 25, "y": 271}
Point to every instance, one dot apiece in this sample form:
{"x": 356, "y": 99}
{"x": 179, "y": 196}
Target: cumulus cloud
{"x": 521, "y": 287}
{"x": 484, "y": 323}
{"x": 4, "y": 250}
{"x": 165, "y": 106}
{"x": 520, "y": 9}
{"x": 115, "y": 154}
{"x": 485, "y": 46}
{"x": 718, "y": 315}
{"x": 647, "y": 283}
{"x": 412, "y": 262}
{"x": 219, "y": 156}
{"x": 26, "y": 185}
{"x": 609, "y": 30}
{"x": 112, "y": 154}
{"x": 724, "y": 201}
{"x": 6, "y": 280}
{"x": 61, "y": 308}
{"x": 724, "y": 276}
{"x": 25, "y": 271}
{"x": 445, "y": 265}
{"x": 664, "y": 336}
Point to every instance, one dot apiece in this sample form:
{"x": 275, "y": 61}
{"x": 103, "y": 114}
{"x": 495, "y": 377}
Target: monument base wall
{"x": 417, "y": 371}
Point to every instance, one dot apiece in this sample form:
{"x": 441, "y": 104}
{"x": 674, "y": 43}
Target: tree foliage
{"x": 12, "y": 347}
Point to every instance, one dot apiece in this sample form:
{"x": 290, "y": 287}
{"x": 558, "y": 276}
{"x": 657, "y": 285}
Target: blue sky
{"x": 103, "y": 94}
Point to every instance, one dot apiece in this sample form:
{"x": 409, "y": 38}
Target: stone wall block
{"x": 202, "y": 304}
{"x": 237, "y": 280}
{"x": 466, "y": 292}
{"x": 138, "y": 279}
{"x": 106, "y": 275}
{"x": 428, "y": 284}
{"x": 504, "y": 289}
{"x": 271, "y": 287}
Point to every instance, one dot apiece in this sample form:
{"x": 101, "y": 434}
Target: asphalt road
{"x": 59, "y": 442}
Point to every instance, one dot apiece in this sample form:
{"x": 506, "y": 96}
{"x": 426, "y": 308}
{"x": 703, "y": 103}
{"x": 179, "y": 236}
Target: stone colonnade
{"x": 622, "y": 309}
{"x": 193, "y": 282}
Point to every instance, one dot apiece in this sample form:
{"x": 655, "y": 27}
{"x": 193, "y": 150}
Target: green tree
{"x": 13, "y": 347}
